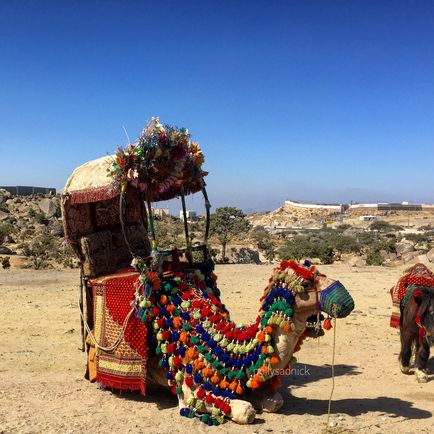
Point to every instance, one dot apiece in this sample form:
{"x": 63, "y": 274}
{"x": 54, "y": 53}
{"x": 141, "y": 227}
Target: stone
{"x": 404, "y": 247}
{"x": 356, "y": 261}
{"x": 6, "y": 251}
{"x": 430, "y": 255}
{"x": 57, "y": 229}
{"x": 4, "y": 195}
{"x": 4, "y": 216}
{"x": 48, "y": 207}
{"x": 243, "y": 255}
{"x": 409, "y": 256}
{"x": 423, "y": 259}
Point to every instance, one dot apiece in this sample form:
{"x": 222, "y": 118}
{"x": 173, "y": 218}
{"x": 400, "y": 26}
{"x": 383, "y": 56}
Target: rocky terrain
{"x": 31, "y": 232}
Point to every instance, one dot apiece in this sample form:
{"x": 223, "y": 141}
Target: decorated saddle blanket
{"x": 123, "y": 368}
{"x": 416, "y": 276}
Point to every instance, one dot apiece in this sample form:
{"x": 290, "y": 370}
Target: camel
{"x": 219, "y": 370}
{"x": 414, "y": 294}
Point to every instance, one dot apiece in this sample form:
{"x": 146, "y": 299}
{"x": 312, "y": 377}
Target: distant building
{"x": 325, "y": 206}
{"x": 191, "y": 216}
{"x": 160, "y": 212}
{"x": 27, "y": 191}
{"x": 367, "y": 218}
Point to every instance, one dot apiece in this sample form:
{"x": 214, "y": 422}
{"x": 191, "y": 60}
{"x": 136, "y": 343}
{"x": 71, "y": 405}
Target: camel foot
{"x": 242, "y": 412}
{"x": 405, "y": 369}
{"x": 421, "y": 376}
{"x": 272, "y": 403}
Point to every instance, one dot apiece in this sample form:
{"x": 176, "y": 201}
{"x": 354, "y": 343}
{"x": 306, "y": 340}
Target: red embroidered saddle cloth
{"x": 123, "y": 368}
{"x": 416, "y": 275}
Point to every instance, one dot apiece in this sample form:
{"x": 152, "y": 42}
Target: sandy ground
{"x": 42, "y": 388}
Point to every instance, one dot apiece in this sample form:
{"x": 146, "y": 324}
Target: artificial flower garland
{"x": 162, "y": 163}
{"x": 199, "y": 345}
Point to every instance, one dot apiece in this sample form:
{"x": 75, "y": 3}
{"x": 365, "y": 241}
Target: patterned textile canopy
{"x": 91, "y": 182}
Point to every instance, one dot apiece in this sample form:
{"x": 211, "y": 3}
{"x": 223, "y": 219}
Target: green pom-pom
{"x": 179, "y": 390}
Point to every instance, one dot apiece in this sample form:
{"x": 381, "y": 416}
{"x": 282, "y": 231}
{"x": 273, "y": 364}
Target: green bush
{"x": 383, "y": 226}
{"x": 373, "y": 257}
{"x": 300, "y": 247}
{"x": 6, "y": 263}
{"x": 4, "y": 208}
{"x": 5, "y": 230}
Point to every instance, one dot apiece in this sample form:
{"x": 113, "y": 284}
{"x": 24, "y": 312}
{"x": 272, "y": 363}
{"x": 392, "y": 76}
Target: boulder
{"x": 4, "y": 195}
{"x": 388, "y": 256}
{"x": 48, "y": 206}
{"x": 356, "y": 261}
{"x": 403, "y": 248}
{"x": 409, "y": 256}
{"x": 243, "y": 255}
{"x": 4, "y": 215}
{"x": 430, "y": 255}
{"x": 6, "y": 251}
{"x": 423, "y": 259}
{"x": 56, "y": 229}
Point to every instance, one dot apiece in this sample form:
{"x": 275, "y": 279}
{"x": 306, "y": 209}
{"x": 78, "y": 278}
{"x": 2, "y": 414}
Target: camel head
{"x": 313, "y": 290}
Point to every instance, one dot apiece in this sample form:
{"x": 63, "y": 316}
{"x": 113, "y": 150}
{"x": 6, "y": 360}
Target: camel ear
{"x": 417, "y": 296}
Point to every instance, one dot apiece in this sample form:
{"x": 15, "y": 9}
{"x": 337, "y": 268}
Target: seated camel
{"x": 415, "y": 294}
{"x": 219, "y": 370}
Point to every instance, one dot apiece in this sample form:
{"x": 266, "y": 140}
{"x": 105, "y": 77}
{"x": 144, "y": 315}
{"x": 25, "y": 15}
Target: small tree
{"x": 6, "y": 263}
{"x": 226, "y": 224}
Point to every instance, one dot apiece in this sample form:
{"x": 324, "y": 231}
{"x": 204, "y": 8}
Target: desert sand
{"x": 42, "y": 389}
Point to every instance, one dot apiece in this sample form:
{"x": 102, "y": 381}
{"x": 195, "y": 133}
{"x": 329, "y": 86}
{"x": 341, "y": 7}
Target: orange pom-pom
{"x": 170, "y": 308}
{"x": 239, "y": 390}
{"x": 264, "y": 349}
{"x": 261, "y": 337}
{"x": 286, "y": 328}
{"x": 268, "y": 329}
{"x": 327, "y": 324}
{"x": 224, "y": 384}
{"x": 191, "y": 352}
{"x": 215, "y": 379}
{"x": 177, "y": 322}
{"x": 274, "y": 360}
{"x": 163, "y": 299}
{"x": 233, "y": 386}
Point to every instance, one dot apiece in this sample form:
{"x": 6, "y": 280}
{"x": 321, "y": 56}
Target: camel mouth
{"x": 336, "y": 301}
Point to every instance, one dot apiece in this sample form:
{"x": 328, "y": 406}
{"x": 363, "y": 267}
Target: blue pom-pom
{"x": 184, "y": 412}
{"x": 188, "y": 368}
{"x": 185, "y": 316}
{"x": 181, "y": 351}
{"x": 163, "y": 311}
{"x": 200, "y": 329}
{"x": 169, "y": 375}
{"x": 197, "y": 378}
{"x": 169, "y": 322}
{"x": 175, "y": 336}
{"x": 216, "y": 391}
{"x": 164, "y": 363}
{"x": 205, "y": 336}
{"x": 207, "y": 386}
{"x": 177, "y": 300}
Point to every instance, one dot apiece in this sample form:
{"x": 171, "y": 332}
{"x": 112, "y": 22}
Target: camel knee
{"x": 272, "y": 403}
{"x": 242, "y": 412}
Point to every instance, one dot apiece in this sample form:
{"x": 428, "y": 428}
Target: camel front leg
{"x": 242, "y": 412}
{"x": 266, "y": 400}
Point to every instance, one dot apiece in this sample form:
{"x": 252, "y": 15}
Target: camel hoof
{"x": 242, "y": 412}
{"x": 405, "y": 369}
{"x": 273, "y": 403}
{"x": 421, "y": 376}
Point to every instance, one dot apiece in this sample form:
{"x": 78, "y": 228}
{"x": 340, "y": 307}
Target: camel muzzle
{"x": 336, "y": 301}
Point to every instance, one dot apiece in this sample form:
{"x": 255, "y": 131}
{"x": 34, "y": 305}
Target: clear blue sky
{"x": 309, "y": 100}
